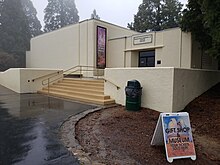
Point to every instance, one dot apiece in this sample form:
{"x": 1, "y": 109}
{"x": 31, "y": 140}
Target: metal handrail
{"x": 118, "y": 87}
{"x": 81, "y": 68}
{"x": 72, "y": 70}
{"x": 40, "y": 77}
{"x": 68, "y": 71}
{"x": 48, "y": 80}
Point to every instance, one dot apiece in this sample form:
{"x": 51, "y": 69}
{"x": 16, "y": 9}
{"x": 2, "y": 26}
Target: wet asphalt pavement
{"x": 29, "y": 129}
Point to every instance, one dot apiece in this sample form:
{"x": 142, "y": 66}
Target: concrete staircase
{"x": 91, "y": 91}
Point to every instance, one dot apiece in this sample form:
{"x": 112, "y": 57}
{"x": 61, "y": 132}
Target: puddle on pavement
{"x": 29, "y": 129}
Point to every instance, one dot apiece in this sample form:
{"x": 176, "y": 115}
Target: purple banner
{"x": 101, "y": 47}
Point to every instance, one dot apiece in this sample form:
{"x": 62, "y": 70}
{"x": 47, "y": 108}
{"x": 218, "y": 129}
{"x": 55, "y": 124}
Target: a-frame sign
{"x": 174, "y": 131}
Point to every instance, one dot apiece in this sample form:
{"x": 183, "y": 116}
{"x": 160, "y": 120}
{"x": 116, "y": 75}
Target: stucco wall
{"x": 185, "y": 50}
{"x": 157, "y": 86}
{"x": 75, "y": 45}
{"x": 116, "y": 55}
{"x": 151, "y": 43}
{"x": 164, "y": 89}
{"x": 114, "y": 31}
{"x": 172, "y": 47}
{"x": 175, "y": 50}
{"x": 190, "y": 83}
{"x": 20, "y": 80}
{"x": 57, "y": 49}
{"x": 171, "y": 50}
{"x": 11, "y": 79}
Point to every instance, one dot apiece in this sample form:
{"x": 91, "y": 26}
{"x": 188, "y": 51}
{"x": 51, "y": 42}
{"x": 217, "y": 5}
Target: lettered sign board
{"x": 174, "y": 131}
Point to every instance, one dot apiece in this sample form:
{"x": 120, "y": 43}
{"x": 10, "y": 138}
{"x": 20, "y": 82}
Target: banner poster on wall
{"x": 101, "y": 47}
{"x": 174, "y": 131}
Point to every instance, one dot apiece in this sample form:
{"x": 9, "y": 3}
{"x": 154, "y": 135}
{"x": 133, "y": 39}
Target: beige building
{"x": 170, "y": 67}
{"x": 78, "y": 45}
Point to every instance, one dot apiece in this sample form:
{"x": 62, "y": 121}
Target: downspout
{"x": 155, "y": 56}
{"x": 125, "y": 46}
{"x": 154, "y": 38}
{"x": 180, "y": 61}
{"x": 87, "y": 46}
{"x": 94, "y": 43}
{"x": 79, "y": 44}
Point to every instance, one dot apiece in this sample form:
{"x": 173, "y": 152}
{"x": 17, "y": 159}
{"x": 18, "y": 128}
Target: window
{"x": 147, "y": 59}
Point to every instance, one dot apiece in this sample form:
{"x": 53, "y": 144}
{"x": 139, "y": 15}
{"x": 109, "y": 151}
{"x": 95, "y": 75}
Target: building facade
{"x": 100, "y": 44}
{"x": 169, "y": 65}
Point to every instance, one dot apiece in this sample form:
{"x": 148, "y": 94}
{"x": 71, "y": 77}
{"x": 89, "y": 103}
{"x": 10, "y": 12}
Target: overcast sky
{"x": 119, "y": 12}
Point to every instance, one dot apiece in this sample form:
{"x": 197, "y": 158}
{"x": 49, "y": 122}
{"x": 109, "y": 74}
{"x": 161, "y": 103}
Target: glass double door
{"x": 147, "y": 59}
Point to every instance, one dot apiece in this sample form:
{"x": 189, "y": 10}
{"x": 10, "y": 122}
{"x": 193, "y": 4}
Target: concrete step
{"x": 78, "y": 85}
{"x": 78, "y": 98}
{"x": 83, "y": 81}
{"x": 78, "y": 89}
{"x": 86, "y": 90}
{"x": 77, "y": 93}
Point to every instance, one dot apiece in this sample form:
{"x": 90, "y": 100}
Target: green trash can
{"x": 133, "y": 92}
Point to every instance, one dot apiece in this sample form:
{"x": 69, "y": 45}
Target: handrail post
{"x": 98, "y": 72}
{"x": 48, "y": 90}
{"x": 80, "y": 68}
{"x": 106, "y": 80}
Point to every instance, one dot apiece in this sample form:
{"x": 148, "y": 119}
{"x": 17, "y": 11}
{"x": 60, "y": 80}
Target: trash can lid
{"x": 134, "y": 84}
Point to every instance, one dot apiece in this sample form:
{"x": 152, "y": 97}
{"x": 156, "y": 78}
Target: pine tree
{"x": 1, "y": 8}
{"x": 14, "y": 31}
{"x": 60, "y": 13}
{"x": 7, "y": 61}
{"x": 171, "y": 12}
{"x": 211, "y": 21}
{"x": 155, "y": 15}
{"x": 202, "y": 19}
{"x": 147, "y": 17}
{"x": 192, "y": 19}
{"x": 94, "y": 15}
{"x": 31, "y": 14}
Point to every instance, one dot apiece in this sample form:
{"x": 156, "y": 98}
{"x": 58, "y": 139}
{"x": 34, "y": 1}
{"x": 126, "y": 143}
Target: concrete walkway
{"x": 29, "y": 128}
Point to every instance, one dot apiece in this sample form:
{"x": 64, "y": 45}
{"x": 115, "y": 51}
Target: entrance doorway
{"x": 147, "y": 59}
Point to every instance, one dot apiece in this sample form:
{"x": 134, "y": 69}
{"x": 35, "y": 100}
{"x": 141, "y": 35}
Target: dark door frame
{"x": 146, "y": 56}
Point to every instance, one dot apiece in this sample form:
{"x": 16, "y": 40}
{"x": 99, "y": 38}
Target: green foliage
{"x": 202, "y": 19}
{"x": 14, "y": 31}
{"x": 157, "y": 15}
{"x": 11, "y": 60}
{"x": 171, "y": 14}
{"x": 94, "y": 15}
{"x": 147, "y": 17}
{"x": 31, "y": 14}
{"x": 6, "y": 61}
{"x": 60, "y": 13}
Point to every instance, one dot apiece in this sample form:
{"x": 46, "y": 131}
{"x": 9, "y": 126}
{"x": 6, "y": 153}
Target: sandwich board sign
{"x": 174, "y": 131}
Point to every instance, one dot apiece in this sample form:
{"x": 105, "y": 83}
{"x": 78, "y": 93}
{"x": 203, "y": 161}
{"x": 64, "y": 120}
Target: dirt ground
{"x": 116, "y": 136}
